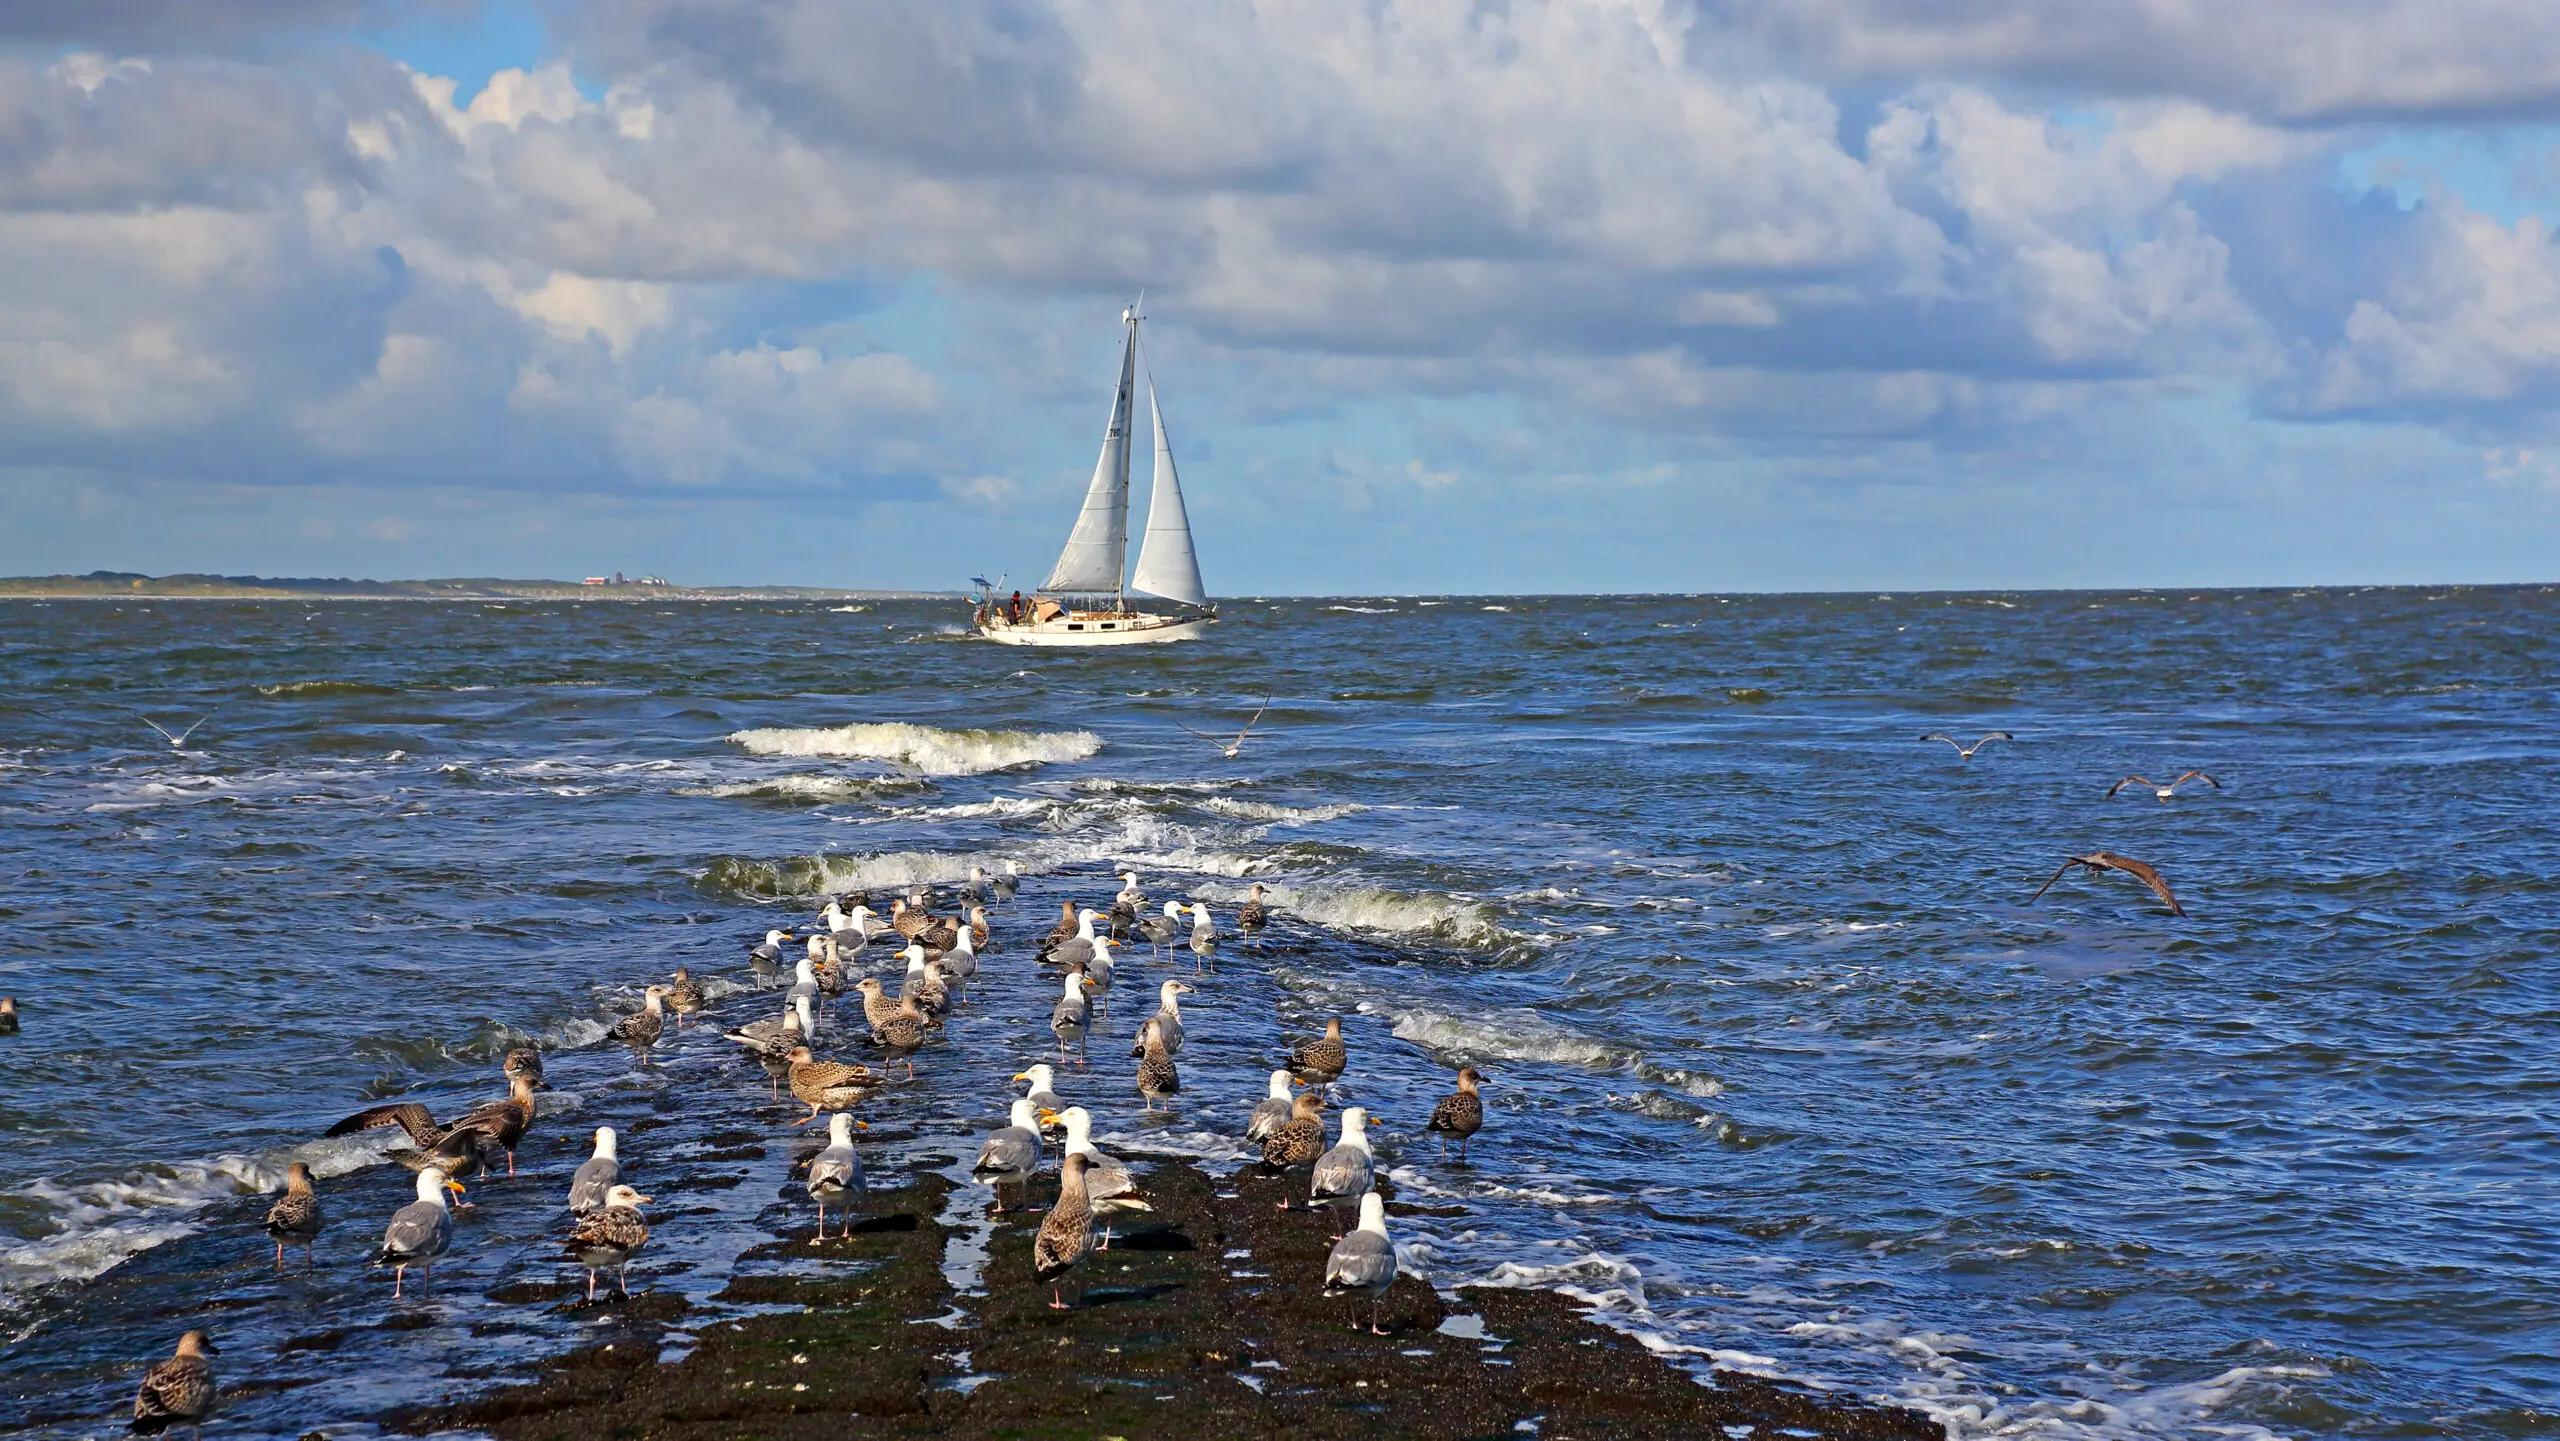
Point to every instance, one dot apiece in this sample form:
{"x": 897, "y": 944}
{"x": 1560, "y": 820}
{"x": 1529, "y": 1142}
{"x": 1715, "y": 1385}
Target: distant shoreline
{"x": 128, "y": 586}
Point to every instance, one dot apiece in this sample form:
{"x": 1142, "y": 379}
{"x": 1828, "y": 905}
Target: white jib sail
{"x": 1166, "y": 564}
{"x": 1099, "y": 545}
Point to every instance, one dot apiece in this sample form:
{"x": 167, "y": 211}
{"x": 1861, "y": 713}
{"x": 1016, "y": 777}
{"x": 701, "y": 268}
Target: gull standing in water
{"x": 1274, "y": 1110}
{"x": 420, "y": 1231}
{"x": 1460, "y": 1113}
{"x": 1234, "y": 748}
{"x": 1007, "y": 881}
{"x": 1077, "y": 949}
{"x": 828, "y": 1085}
{"x": 595, "y": 1177}
{"x": 685, "y": 996}
{"x": 178, "y": 1391}
{"x": 1204, "y": 937}
{"x": 1253, "y": 915}
{"x": 1344, "y": 1173}
{"x": 1157, "y": 1078}
{"x": 502, "y": 1121}
{"x": 1965, "y": 752}
{"x": 295, "y": 1219}
{"x": 835, "y": 1173}
{"x": 610, "y": 1238}
{"x": 765, "y": 958}
{"x": 1100, "y": 968}
{"x": 1043, "y": 1096}
{"x": 771, "y": 1042}
{"x": 1319, "y": 1063}
{"x": 2157, "y": 789}
{"x": 1162, "y": 929}
{"x": 1011, "y": 1152}
{"x": 1108, "y": 1186}
{"x": 1167, "y": 1019}
{"x": 1071, "y": 1017}
{"x": 1066, "y": 1233}
{"x": 1363, "y": 1262}
{"x": 640, "y": 1029}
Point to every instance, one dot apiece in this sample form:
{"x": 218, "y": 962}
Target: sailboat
{"x": 1084, "y": 601}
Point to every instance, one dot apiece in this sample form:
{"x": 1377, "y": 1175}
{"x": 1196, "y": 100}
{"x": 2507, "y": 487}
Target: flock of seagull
{"x": 940, "y": 961}
{"x": 2099, "y": 861}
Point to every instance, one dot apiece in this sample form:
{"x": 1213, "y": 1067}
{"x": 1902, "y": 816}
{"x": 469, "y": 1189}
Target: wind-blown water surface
{"x": 1782, "y": 1067}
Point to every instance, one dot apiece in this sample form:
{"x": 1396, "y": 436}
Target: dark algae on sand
{"x": 1202, "y": 1322}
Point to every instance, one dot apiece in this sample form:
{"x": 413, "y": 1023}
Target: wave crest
{"x": 925, "y": 749}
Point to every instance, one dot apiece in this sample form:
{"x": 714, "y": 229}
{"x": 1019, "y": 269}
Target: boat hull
{"x": 1127, "y": 628}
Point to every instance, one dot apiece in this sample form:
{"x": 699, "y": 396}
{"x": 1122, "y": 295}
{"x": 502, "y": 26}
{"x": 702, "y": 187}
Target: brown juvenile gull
{"x": 2157, "y": 789}
{"x": 1167, "y": 1019}
{"x": 596, "y": 1176}
{"x": 641, "y": 1028}
{"x": 1076, "y": 949}
{"x": 835, "y": 1173}
{"x": 877, "y": 1004}
{"x": 178, "y": 1391}
{"x": 526, "y": 1062}
{"x": 1071, "y": 1017}
{"x": 1274, "y": 1110}
{"x": 1319, "y": 1062}
{"x": 1157, "y": 1079}
{"x": 980, "y": 938}
{"x": 502, "y": 1121}
{"x": 1296, "y": 1142}
{"x": 903, "y": 1034}
{"x": 1010, "y": 1152}
{"x": 685, "y": 996}
{"x": 420, "y": 1231}
{"x": 2109, "y": 861}
{"x": 610, "y": 1238}
{"x": 1253, "y": 915}
{"x": 295, "y": 1219}
{"x": 1363, "y": 1262}
{"x": 771, "y": 1041}
{"x": 922, "y": 987}
{"x": 1066, "y": 1233}
{"x": 1344, "y": 1173}
{"x": 828, "y": 1085}
{"x": 1108, "y": 1186}
{"x": 1059, "y": 933}
{"x": 1965, "y": 752}
{"x": 1234, "y": 748}
{"x": 1460, "y": 1113}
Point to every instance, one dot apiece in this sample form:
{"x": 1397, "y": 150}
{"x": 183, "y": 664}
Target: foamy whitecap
{"x": 1278, "y": 815}
{"x": 808, "y": 789}
{"x": 1511, "y": 1036}
{"x": 926, "y": 749}
{"x": 1429, "y": 915}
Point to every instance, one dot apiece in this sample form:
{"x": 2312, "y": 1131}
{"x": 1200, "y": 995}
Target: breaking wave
{"x": 810, "y": 790}
{"x": 926, "y": 749}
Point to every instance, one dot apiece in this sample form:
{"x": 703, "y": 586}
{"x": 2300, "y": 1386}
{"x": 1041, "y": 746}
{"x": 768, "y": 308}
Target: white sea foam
{"x": 926, "y": 749}
{"x": 1278, "y": 815}
{"x": 1431, "y": 915}
{"x": 1510, "y": 1036}
{"x": 810, "y": 789}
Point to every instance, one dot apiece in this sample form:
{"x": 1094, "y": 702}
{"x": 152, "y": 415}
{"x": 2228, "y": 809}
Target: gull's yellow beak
{"x": 453, "y": 1185}
{"x": 1047, "y": 1115}
{"x": 640, "y": 1200}
{"x": 862, "y": 1125}
{"x": 1022, "y": 1075}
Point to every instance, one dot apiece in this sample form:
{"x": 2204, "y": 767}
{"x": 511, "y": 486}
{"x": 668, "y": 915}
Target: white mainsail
{"x": 1166, "y": 565}
{"x": 1099, "y": 545}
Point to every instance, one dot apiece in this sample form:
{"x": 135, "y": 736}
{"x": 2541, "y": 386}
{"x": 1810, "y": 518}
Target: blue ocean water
{"x": 1784, "y": 1069}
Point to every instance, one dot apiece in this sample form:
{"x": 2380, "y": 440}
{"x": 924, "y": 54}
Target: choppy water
{"x": 1784, "y": 1068}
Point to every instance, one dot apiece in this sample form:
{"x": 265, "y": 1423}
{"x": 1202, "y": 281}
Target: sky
{"x": 1442, "y": 295}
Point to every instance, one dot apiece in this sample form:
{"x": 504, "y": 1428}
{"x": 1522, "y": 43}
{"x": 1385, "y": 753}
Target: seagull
{"x": 1162, "y": 929}
{"x": 685, "y": 996}
{"x": 1363, "y": 1262}
{"x": 420, "y": 1231}
{"x": 502, "y": 1121}
{"x": 2110, "y": 861}
{"x": 178, "y": 1391}
{"x": 610, "y": 1237}
{"x": 975, "y": 889}
{"x": 1066, "y": 1233}
{"x": 1253, "y": 915}
{"x": 2157, "y": 789}
{"x": 835, "y": 1173}
{"x": 1460, "y": 1113}
{"x": 1006, "y": 882}
{"x": 595, "y": 1176}
{"x": 1319, "y": 1062}
{"x": 828, "y": 1085}
{"x": 1010, "y": 1152}
{"x": 1298, "y": 1141}
{"x": 772, "y": 1041}
{"x": 1071, "y": 1017}
{"x": 1100, "y": 968}
{"x": 1043, "y": 1095}
{"x": 1965, "y": 752}
{"x": 1076, "y": 949}
{"x": 1167, "y": 1020}
{"x": 1108, "y": 1186}
{"x": 1234, "y": 748}
{"x": 766, "y": 957}
{"x": 1157, "y": 1078}
{"x": 295, "y": 1219}
{"x": 961, "y": 959}
{"x": 1130, "y": 896}
{"x": 877, "y": 1004}
{"x": 1344, "y": 1173}
{"x": 178, "y": 741}
{"x": 640, "y": 1029}
{"x": 1274, "y": 1110}
{"x": 526, "y": 1062}
{"x": 1204, "y": 936}
{"x": 978, "y": 935}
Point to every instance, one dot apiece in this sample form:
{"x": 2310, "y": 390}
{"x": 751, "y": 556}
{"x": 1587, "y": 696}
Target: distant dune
{"x": 103, "y": 583}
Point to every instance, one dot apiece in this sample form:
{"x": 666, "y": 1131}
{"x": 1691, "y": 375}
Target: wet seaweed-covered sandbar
{"x": 1203, "y": 1320}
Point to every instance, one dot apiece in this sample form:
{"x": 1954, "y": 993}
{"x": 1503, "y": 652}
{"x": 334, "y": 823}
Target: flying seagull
{"x": 2110, "y": 861}
{"x": 2157, "y": 789}
{"x": 1965, "y": 752}
{"x": 1234, "y": 748}
{"x": 178, "y": 741}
